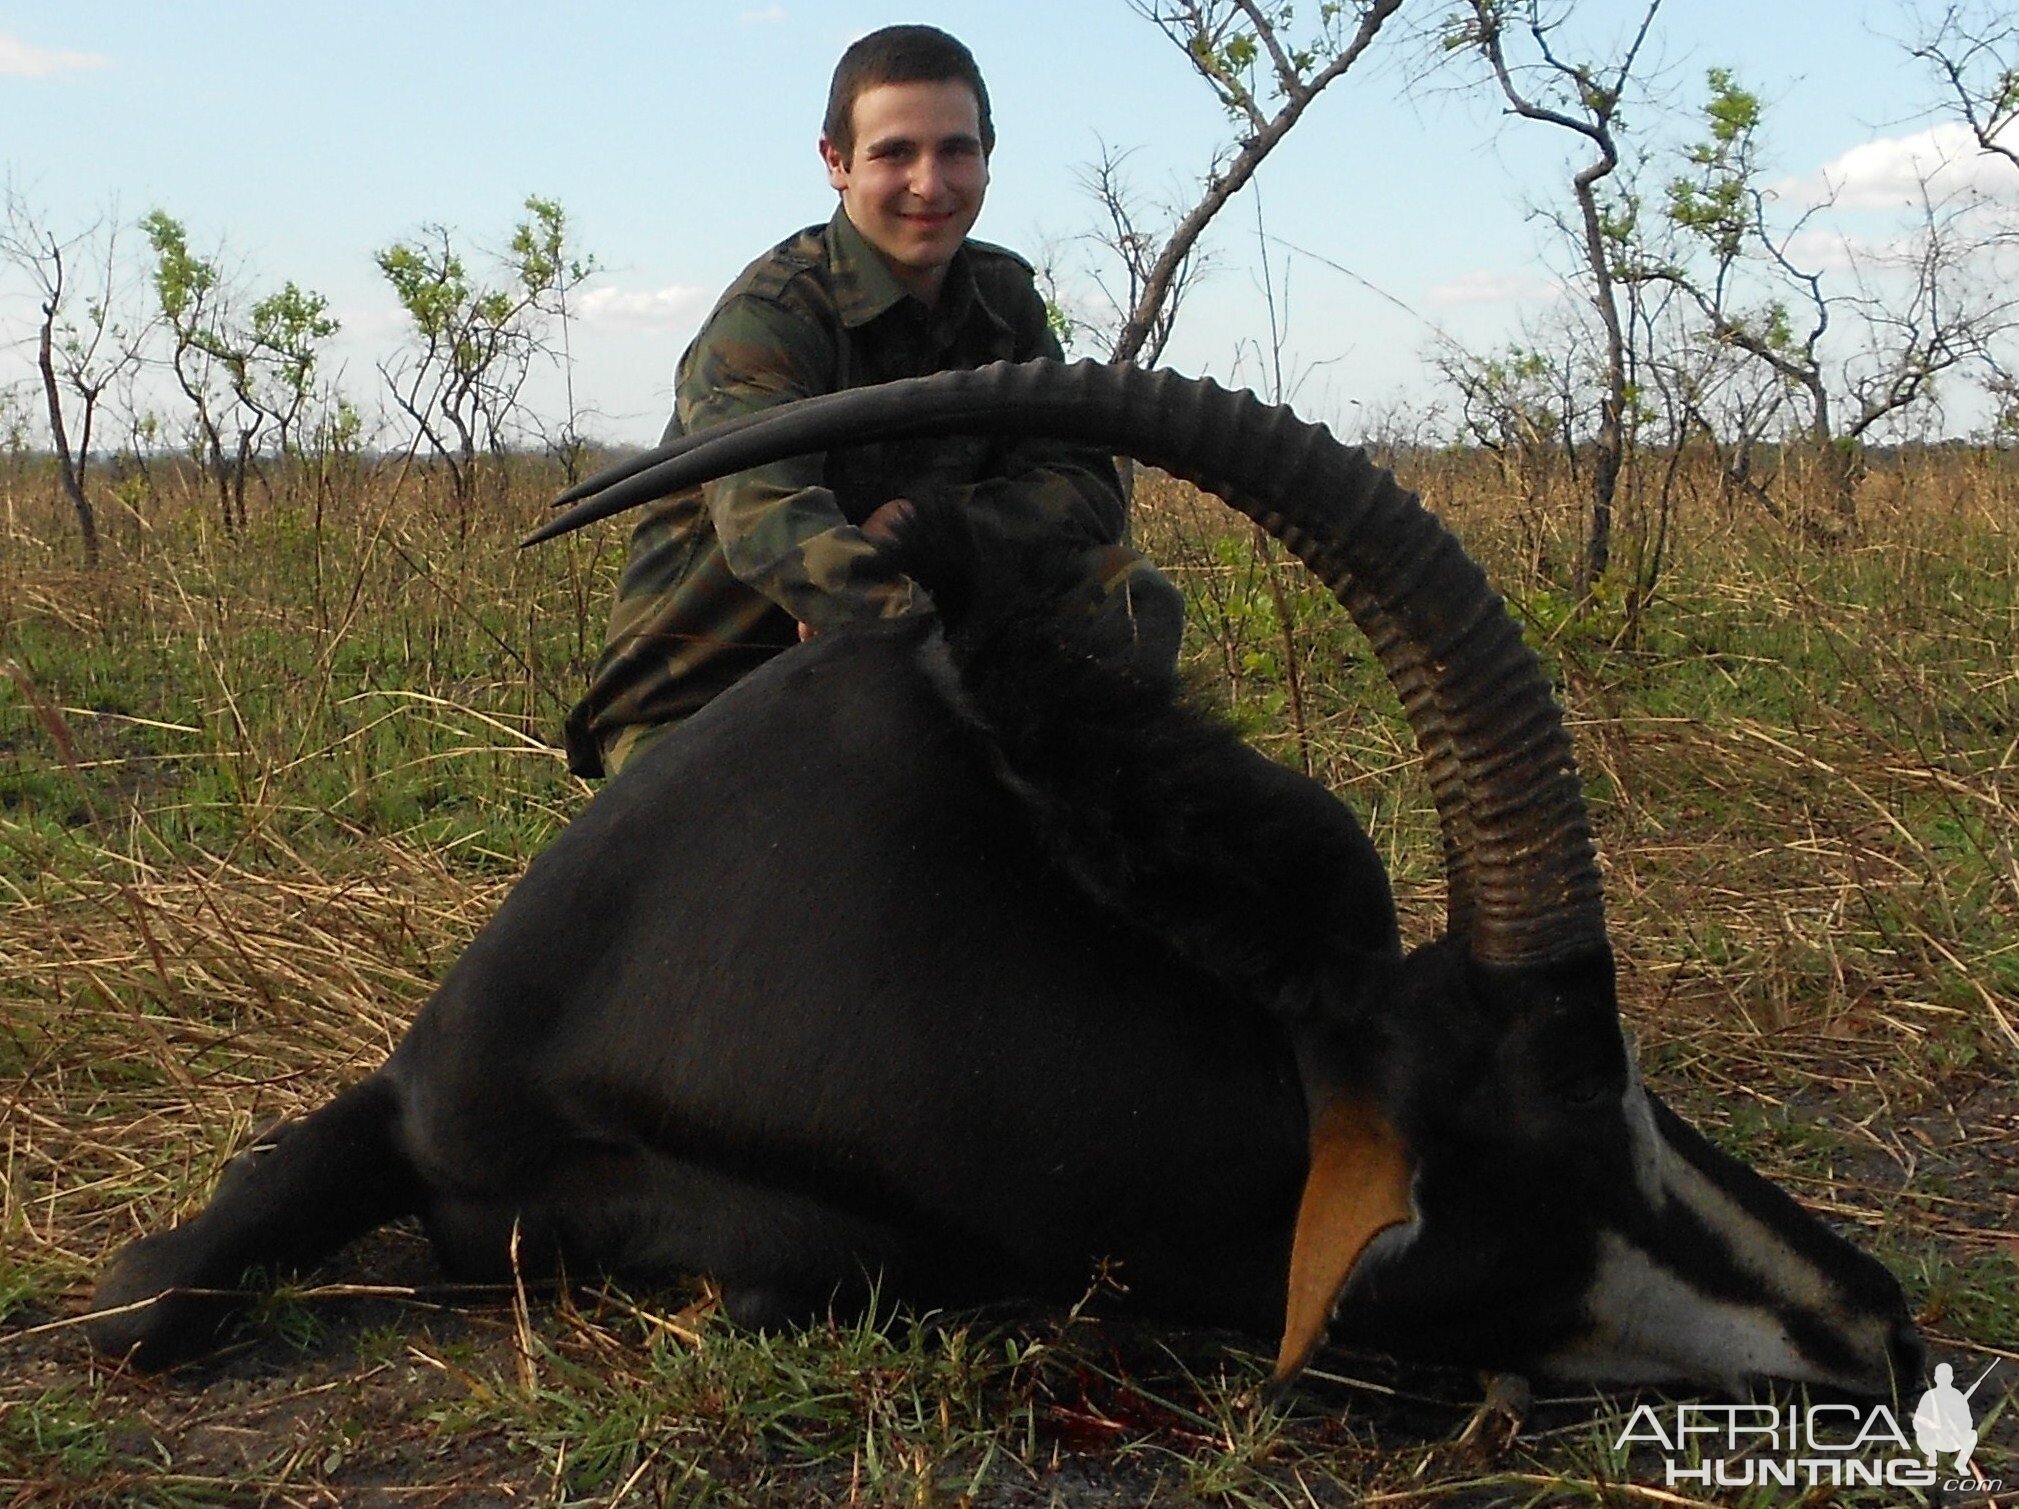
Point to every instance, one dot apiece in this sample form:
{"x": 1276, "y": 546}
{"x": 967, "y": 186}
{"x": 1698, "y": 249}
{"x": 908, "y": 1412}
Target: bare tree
{"x": 1973, "y": 47}
{"x": 1584, "y": 99}
{"x": 1265, "y": 79}
{"x": 1134, "y": 231}
{"x": 1723, "y": 399}
{"x": 1518, "y": 407}
{"x": 82, "y": 347}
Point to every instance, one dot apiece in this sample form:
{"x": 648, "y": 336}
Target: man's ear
{"x": 837, "y": 165}
{"x": 1357, "y": 1185}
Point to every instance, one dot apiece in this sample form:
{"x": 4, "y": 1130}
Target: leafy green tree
{"x": 246, "y": 370}
{"x": 474, "y": 341}
{"x": 192, "y": 298}
{"x": 277, "y": 376}
{"x": 544, "y": 258}
{"x": 1757, "y": 296}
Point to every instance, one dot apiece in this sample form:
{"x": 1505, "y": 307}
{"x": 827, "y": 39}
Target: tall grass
{"x": 257, "y": 792}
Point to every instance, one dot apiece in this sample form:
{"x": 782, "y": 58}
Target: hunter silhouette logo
{"x": 1817, "y": 1445}
{"x": 1942, "y": 1420}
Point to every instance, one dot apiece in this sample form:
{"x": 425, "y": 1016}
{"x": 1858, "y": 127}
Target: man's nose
{"x": 928, "y": 177}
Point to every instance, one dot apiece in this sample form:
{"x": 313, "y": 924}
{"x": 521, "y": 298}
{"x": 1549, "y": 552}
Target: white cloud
{"x": 770, "y": 15}
{"x": 1819, "y": 249}
{"x": 26, "y": 61}
{"x": 1483, "y": 286}
{"x": 676, "y": 308}
{"x": 381, "y": 322}
{"x": 1888, "y": 174}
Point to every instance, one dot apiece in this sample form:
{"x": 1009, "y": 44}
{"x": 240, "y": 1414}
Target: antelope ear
{"x": 1358, "y": 1186}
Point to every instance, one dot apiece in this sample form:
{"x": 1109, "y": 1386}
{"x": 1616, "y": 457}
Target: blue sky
{"x": 680, "y": 137}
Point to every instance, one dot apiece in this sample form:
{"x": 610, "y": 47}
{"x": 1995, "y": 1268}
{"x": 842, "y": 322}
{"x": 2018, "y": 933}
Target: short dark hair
{"x": 901, "y": 55}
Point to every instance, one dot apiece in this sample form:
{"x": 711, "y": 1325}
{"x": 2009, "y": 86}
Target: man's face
{"x": 914, "y": 184}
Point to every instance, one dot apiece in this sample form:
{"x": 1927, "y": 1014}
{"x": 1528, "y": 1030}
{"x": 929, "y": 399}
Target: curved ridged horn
{"x": 1524, "y": 883}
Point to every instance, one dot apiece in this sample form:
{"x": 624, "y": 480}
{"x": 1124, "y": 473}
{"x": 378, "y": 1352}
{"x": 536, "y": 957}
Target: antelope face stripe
{"x": 1650, "y": 1323}
{"x": 1747, "y": 1284}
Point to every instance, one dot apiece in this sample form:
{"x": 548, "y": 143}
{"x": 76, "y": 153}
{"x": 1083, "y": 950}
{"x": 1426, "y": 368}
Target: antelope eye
{"x": 1585, "y": 1094}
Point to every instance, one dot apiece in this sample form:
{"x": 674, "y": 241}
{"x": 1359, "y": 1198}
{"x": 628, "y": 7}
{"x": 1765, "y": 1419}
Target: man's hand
{"x": 881, "y": 526}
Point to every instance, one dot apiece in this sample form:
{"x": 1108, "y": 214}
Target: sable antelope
{"x": 940, "y": 954}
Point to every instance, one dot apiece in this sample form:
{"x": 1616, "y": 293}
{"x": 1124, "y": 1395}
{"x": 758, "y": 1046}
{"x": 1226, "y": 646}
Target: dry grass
{"x": 255, "y": 795}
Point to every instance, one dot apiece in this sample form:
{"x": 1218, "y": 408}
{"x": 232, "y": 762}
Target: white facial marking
{"x": 1752, "y": 1245}
{"x": 1649, "y": 1324}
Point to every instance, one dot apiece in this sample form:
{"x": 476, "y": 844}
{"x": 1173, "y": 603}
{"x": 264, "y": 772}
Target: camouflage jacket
{"x": 717, "y": 580}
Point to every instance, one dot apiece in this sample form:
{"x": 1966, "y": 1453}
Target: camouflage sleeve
{"x": 1047, "y": 487}
{"x": 782, "y": 532}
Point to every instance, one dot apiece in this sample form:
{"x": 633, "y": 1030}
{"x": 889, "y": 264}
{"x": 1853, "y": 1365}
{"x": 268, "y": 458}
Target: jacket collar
{"x": 865, "y": 288}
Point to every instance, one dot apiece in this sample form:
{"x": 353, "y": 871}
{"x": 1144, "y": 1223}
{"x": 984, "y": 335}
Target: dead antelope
{"x": 940, "y": 955}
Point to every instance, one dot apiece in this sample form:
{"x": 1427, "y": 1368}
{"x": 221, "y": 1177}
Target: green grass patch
{"x": 257, "y": 794}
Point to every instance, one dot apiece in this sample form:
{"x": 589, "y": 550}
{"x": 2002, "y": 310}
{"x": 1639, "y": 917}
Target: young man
{"x": 720, "y": 580}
